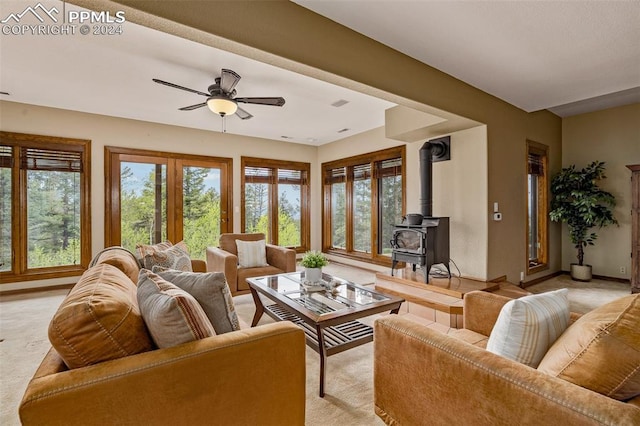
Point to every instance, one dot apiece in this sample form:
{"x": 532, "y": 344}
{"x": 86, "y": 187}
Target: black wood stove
{"x": 422, "y": 239}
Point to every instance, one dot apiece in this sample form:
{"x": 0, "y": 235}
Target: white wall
{"x": 460, "y": 188}
{"x": 109, "y": 131}
{"x": 612, "y": 136}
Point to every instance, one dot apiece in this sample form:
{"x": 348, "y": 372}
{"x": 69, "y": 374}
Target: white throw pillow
{"x": 527, "y": 327}
{"x": 252, "y": 254}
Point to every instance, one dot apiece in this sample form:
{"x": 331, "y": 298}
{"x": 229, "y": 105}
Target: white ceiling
{"x": 111, "y": 75}
{"x": 533, "y": 54}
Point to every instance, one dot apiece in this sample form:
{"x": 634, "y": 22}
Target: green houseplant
{"x": 581, "y": 204}
{"x": 313, "y": 261}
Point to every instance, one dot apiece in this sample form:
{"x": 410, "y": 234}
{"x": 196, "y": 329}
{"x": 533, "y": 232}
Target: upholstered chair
{"x": 225, "y": 259}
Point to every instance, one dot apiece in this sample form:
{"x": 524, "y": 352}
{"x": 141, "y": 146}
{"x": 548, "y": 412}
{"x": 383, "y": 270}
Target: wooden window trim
{"x": 174, "y": 161}
{"x": 349, "y": 163}
{"x": 305, "y": 195}
{"x": 19, "y": 271}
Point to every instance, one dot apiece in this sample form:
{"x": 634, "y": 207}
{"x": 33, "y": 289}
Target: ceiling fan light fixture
{"x": 222, "y": 106}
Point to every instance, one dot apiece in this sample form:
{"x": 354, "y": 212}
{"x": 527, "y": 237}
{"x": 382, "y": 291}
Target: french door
{"x": 157, "y": 196}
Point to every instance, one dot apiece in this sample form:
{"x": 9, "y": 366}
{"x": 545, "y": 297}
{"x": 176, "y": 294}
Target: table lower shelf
{"x": 337, "y": 338}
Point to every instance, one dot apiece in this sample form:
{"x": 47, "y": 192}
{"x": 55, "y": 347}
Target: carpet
{"x": 584, "y": 296}
{"x": 348, "y": 400}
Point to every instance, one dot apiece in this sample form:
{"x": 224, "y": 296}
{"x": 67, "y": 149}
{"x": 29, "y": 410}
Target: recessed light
{"x": 346, "y": 129}
{"x": 339, "y": 103}
{"x": 5, "y": 93}
{"x": 286, "y": 137}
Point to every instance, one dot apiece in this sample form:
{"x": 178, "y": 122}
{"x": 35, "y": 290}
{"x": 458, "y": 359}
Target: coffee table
{"x": 328, "y": 318}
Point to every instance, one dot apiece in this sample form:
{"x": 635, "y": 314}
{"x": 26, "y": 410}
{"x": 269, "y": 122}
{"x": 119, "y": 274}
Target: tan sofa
{"x": 250, "y": 376}
{"x": 225, "y": 259}
{"x": 425, "y": 377}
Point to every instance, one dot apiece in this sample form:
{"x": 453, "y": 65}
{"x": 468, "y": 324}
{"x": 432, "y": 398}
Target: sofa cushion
{"x": 171, "y": 314}
{"x": 244, "y": 273}
{"x": 211, "y": 291}
{"x": 252, "y": 254}
{"x": 527, "y": 327}
{"x": 99, "y": 319}
{"x": 174, "y": 257}
{"x": 122, "y": 259}
{"x": 601, "y": 350}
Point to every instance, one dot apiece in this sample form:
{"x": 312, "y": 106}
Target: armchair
{"x": 225, "y": 259}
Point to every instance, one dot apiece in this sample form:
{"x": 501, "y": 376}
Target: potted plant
{"x": 313, "y": 261}
{"x": 581, "y": 204}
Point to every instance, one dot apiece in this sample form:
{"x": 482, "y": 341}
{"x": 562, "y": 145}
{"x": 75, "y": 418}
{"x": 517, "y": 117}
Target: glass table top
{"x": 318, "y": 299}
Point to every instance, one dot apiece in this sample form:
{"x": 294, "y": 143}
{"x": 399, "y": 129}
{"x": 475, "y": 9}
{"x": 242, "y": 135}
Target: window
{"x": 363, "y": 198}
{"x": 156, "y": 196}
{"x": 275, "y": 201}
{"x": 45, "y": 229}
{"x": 537, "y": 208}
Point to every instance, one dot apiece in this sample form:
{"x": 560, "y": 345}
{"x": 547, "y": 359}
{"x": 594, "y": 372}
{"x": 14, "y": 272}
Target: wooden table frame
{"x": 329, "y": 333}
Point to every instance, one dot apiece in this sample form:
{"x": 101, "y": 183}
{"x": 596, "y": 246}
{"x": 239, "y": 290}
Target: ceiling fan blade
{"x": 175, "y": 86}
{"x": 244, "y": 115}
{"x": 261, "y": 101}
{"x": 228, "y": 80}
{"x": 192, "y": 107}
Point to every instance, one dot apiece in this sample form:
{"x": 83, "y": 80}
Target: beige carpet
{"x": 349, "y": 395}
{"x": 583, "y": 297}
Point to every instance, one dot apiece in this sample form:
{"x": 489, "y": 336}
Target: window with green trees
{"x": 164, "y": 196}
{"x": 363, "y": 197}
{"x": 537, "y": 206}
{"x": 275, "y": 202}
{"x": 44, "y": 206}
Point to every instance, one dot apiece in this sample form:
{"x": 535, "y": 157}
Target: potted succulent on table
{"x": 581, "y": 204}
{"x": 313, "y": 261}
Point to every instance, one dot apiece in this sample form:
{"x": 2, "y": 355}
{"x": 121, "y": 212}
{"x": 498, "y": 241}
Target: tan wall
{"x": 613, "y": 136}
{"x": 109, "y": 131}
{"x": 459, "y": 188}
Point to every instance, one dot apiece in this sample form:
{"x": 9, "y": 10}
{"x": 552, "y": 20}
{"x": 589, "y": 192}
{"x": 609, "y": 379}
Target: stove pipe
{"x": 426, "y": 180}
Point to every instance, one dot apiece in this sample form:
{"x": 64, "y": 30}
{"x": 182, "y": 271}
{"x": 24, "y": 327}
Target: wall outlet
{"x": 623, "y": 270}
{"x": 497, "y": 217}
{"x": 521, "y": 276}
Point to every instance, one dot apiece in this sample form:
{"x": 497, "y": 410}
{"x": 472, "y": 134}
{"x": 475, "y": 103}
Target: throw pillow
{"x": 99, "y": 320}
{"x": 252, "y": 254}
{"x": 174, "y": 257}
{"x": 211, "y": 291}
{"x": 172, "y": 315}
{"x": 145, "y": 249}
{"x": 528, "y": 326}
{"x": 601, "y": 350}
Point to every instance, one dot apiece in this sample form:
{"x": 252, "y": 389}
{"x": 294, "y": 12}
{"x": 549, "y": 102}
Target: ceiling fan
{"x": 221, "y": 97}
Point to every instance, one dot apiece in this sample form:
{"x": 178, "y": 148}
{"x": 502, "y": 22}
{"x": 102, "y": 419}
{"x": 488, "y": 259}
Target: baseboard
{"x": 36, "y": 289}
{"x": 614, "y": 279}
{"x": 555, "y": 274}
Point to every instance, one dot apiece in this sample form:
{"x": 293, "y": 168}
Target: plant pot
{"x": 313, "y": 275}
{"x": 580, "y": 272}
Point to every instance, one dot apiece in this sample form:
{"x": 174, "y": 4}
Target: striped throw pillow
{"x": 527, "y": 327}
{"x": 252, "y": 254}
{"x": 171, "y": 314}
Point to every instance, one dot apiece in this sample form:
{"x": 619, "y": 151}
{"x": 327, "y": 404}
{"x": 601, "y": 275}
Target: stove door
{"x": 408, "y": 241}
